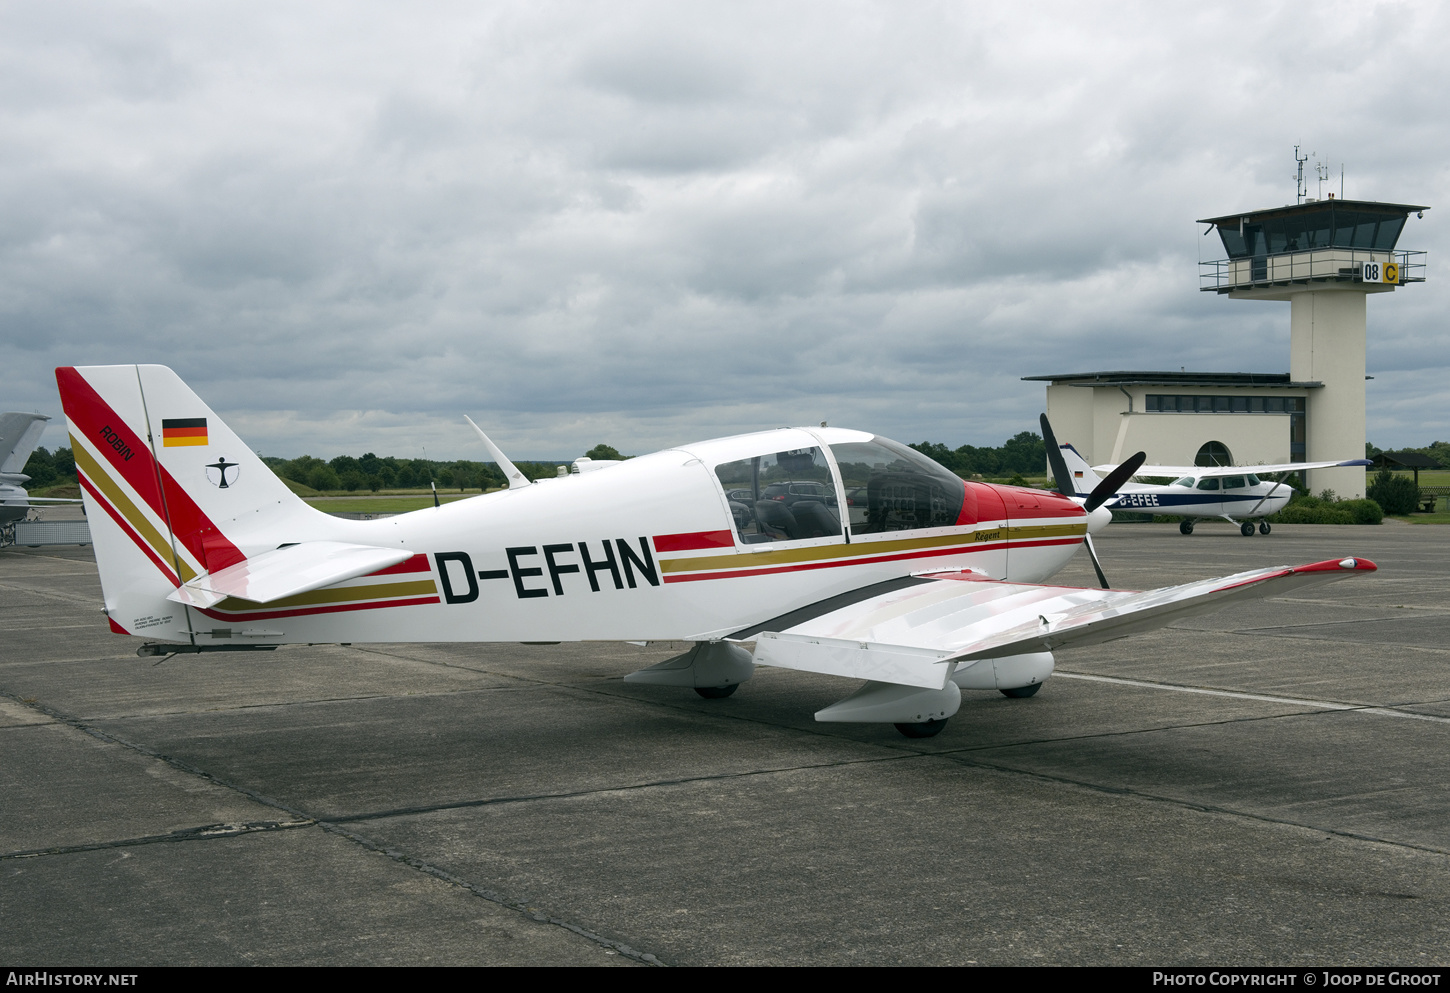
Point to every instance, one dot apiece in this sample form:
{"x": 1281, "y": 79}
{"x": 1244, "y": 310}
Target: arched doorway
{"x": 1213, "y": 453}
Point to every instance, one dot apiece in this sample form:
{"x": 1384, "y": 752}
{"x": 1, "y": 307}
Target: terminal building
{"x": 1324, "y": 258}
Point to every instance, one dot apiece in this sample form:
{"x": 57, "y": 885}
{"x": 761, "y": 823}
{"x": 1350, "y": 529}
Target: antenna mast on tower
{"x": 1299, "y": 175}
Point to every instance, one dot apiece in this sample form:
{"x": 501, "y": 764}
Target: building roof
{"x": 1371, "y": 206}
{"x": 1405, "y": 460}
{"x": 1279, "y": 380}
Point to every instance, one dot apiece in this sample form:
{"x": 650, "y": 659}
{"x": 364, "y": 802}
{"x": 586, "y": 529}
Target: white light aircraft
{"x": 930, "y": 588}
{"x": 19, "y": 434}
{"x": 1237, "y": 494}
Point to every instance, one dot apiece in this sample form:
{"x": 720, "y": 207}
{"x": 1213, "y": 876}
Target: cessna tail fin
{"x": 171, "y": 492}
{"x": 1083, "y": 477}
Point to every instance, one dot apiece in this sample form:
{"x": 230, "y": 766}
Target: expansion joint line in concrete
{"x": 300, "y": 820}
{"x": 604, "y": 790}
{"x": 533, "y": 913}
{"x": 1190, "y": 805}
{"x": 1312, "y": 705}
{"x": 205, "y": 832}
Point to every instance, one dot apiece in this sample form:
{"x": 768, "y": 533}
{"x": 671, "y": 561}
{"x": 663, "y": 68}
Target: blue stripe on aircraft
{"x": 1125, "y": 501}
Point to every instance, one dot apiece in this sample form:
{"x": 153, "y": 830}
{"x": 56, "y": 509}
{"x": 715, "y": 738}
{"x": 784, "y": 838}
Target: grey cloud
{"x": 344, "y": 224}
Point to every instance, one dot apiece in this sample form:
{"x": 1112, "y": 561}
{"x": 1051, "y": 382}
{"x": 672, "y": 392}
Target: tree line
{"x": 373, "y": 472}
{"x": 1024, "y": 454}
{"x": 345, "y": 472}
{"x": 50, "y": 468}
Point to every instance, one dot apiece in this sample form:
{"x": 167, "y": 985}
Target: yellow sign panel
{"x": 1392, "y": 272}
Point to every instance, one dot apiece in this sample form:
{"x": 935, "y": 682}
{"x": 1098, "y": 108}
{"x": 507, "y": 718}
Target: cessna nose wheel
{"x": 1185, "y": 527}
{"x": 1264, "y": 527}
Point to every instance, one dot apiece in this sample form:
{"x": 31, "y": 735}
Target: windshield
{"x": 890, "y": 487}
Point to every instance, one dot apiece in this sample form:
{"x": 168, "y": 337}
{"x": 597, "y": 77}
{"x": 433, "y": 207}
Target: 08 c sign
{"x": 1380, "y": 272}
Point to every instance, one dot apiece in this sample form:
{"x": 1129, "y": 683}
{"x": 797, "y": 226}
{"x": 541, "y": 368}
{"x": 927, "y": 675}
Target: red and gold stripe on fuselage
{"x": 729, "y": 563}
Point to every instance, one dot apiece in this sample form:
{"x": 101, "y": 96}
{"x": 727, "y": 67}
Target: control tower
{"x": 1325, "y": 257}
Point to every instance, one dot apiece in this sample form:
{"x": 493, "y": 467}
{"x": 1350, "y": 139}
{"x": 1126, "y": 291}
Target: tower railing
{"x": 1319, "y": 265}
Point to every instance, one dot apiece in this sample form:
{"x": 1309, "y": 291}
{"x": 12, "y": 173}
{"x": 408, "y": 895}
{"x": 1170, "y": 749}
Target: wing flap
{"x": 289, "y": 570}
{"x": 853, "y": 659}
{"x": 903, "y": 635}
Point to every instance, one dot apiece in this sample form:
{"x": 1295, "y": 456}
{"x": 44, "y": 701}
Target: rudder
{"x": 1083, "y": 477}
{"x": 170, "y": 490}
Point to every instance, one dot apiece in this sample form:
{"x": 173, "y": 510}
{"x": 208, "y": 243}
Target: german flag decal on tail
{"x": 177, "y": 431}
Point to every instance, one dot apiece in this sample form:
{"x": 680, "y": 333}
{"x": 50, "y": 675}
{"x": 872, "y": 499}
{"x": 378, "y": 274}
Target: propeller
{"x": 1101, "y": 494}
{"x": 1058, "y": 463}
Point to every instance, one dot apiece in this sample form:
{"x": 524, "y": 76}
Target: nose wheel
{"x": 1185, "y": 527}
{"x": 1264, "y": 527}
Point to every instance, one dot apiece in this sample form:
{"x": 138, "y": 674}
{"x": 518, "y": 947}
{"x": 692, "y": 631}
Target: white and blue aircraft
{"x": 1237, "y": 494}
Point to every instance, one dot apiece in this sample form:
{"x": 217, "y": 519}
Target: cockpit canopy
{"x": 792, "y": 495}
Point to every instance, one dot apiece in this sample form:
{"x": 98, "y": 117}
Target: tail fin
{"x": 170, "y": 491}
{"x": 1083, "y": 477}
{"x": 19, "y": 434}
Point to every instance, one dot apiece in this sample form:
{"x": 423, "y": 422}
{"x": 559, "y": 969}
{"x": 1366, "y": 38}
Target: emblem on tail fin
{"x": 217, "y": 473}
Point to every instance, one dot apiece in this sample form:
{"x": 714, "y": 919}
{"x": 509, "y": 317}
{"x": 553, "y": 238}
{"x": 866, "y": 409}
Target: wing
{"x": 1232, "y": 470}
{"x": 909, "y": 635}
{"x": 285, "y": 571}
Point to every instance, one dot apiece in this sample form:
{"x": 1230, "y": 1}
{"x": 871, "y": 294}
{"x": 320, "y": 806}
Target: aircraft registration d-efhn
{"x": 925, "y": 586}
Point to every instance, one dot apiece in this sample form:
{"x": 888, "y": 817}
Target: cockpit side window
{"x": 890, "y": 487}
{"x": 1208, "y": 483}
{"x": 781, "y": 496}
{"x": 1233, "y": 482}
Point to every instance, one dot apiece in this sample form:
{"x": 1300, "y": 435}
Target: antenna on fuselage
{"x": 511, "y": 473}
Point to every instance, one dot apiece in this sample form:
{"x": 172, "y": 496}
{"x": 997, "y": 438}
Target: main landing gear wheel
{"x": 1247, "y": 529}
{"x": 1021, "y": 692}
{"x": 926, "y": 729}
{"x": 1264, "y": 527}
{"x": 1185, "y": 527}
{"x": 716, "y": 692}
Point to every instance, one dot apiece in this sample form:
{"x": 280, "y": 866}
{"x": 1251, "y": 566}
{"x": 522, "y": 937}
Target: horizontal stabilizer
{"x": 905, "y": 635}
{"x": 287, "y": 571}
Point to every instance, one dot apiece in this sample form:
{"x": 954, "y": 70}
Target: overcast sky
{"x": 347, "y": 224}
